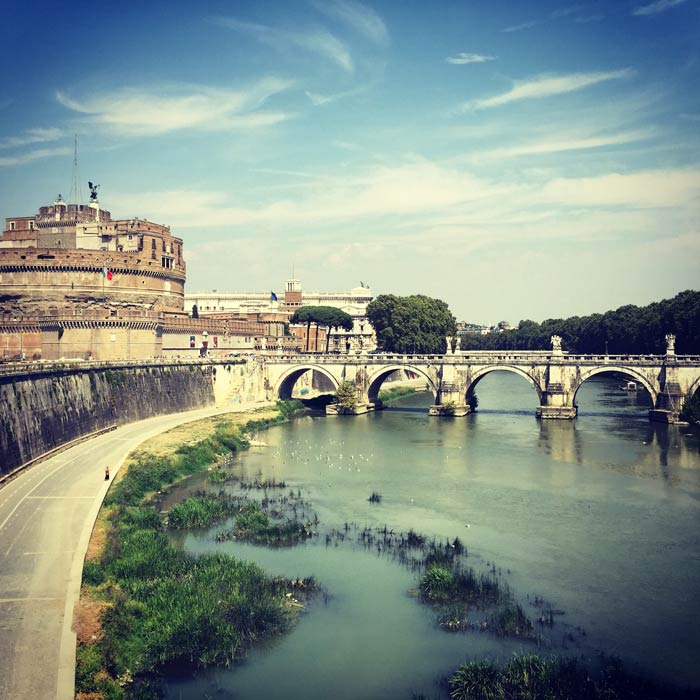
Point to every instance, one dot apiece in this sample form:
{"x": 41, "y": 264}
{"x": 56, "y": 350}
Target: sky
{"x": 524, "y": 160}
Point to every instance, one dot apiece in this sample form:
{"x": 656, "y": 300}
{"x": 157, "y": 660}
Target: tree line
{"x": 627, "y": 330}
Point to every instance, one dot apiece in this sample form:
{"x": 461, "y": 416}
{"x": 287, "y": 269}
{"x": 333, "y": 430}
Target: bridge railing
{"x": 483, "y": 356}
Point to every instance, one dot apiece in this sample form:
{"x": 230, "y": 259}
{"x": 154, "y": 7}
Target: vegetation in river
{"x": 532, "y": 677}
{"x": 219, "y": 476}
{"x": 201, "y": 510}
{"x": 375, "y": 497}
{"x": 691, "y": 410}
{"x": 160, "y": 607}
{"x": 253, "y": 525}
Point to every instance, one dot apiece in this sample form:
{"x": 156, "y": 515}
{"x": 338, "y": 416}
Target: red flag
{"x": 109, "y": 275}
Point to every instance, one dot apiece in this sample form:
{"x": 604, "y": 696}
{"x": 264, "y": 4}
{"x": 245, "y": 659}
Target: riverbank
{"x": 146, "y": 605}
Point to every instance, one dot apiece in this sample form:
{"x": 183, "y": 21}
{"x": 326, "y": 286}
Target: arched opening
{"x": 501, "y": 389}
{"x": 390, "y": 382}
{"x": 314, "y": 386}
{"x": 614, "y": 390}
{"x": 690, "y": 410}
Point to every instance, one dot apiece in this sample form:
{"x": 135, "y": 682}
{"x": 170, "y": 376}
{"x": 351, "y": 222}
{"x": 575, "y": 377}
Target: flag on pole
{"x": 107, "y": 274}
{"x": 273, "y": 296}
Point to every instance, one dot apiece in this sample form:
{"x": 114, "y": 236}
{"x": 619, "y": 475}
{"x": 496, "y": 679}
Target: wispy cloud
{"x": 651, "y": 188}
{"x": 160, "y": 110}
{"x": 545, "y": 86}
{"x": 318, "y": 41}
{"x": 31, "y": 136}
{"x": 653, "y": 8}
{"x": 462, "y": 59}
{"x": 522, "y": 25}
{"x": 30, "y": 156}
{"x": 361, "y": 18}
{"x": 318, "y": 100}
{"x": 560, "y": 145}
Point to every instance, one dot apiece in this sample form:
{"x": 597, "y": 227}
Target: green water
{"x": 599, "y": 516}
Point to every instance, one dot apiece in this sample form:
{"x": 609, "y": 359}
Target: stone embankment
{"x": 42, "y": 411}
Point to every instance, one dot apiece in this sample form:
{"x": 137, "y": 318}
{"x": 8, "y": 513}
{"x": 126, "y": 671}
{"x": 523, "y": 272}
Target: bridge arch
{"x": 693, "y": 388}
{"x": 375, "y": 381}
{"x": 481, "y": 373}
{"x": 626, "y": 371}
{"x": 285, "y": 384}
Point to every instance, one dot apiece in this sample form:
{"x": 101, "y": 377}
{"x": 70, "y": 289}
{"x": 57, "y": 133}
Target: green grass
{"x": 531, "y": 677}
{"x": 202, "y": 510}
{"x": 166, "y": 608}
{"x": 253, "y": 525}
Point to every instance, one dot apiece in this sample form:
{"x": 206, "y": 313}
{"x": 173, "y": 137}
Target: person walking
{"x": 107, "y": 473}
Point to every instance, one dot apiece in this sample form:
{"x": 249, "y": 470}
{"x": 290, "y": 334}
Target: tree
{"x": 413, "y": 324}
{"x": 346, "y": 396}
{"x": 327, "y": 316}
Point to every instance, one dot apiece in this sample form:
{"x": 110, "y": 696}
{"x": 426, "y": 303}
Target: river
{"x": 599, "y": 516}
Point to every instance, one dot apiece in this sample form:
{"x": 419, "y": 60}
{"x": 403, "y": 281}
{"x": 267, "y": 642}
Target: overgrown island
{"x": 148, "y": 608}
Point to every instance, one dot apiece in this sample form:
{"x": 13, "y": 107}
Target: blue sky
{"x": 518, "y": 160}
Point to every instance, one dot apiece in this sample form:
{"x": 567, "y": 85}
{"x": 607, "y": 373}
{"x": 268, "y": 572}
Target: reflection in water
{"x": 599, "y": 516}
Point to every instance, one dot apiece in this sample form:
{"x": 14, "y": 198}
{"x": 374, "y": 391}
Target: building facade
{"x": 280, "y": 306}
{"x": 74, "y": 282}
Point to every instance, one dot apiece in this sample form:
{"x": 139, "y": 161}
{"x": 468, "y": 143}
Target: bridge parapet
{"x": 555, "y": 376}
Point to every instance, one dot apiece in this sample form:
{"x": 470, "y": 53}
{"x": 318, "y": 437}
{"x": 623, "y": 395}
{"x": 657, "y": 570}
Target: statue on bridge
{"x": 670, "y": 344}
{"x": 556, "y": 343}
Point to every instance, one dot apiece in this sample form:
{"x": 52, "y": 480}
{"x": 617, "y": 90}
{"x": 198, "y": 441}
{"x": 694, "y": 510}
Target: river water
{"x": 599, "y": 516}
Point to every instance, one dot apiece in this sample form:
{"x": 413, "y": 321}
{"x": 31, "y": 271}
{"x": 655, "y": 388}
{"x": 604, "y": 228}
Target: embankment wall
{"x": 41, "y": 412}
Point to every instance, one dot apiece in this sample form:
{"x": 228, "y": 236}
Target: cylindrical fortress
{"x": 71, "y": 260}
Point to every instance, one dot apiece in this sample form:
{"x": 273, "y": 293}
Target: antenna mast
{"x": 75, "y": 195}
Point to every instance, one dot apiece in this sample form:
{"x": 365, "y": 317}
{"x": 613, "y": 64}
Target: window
{"x": 31, "y": 225}
{"x": 12, "y": 225}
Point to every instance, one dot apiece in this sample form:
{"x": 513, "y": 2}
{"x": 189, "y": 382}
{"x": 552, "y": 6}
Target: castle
{"x": 76, "y": 283}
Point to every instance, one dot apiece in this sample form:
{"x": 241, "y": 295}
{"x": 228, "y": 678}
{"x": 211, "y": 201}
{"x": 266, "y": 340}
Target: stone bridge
{"x": 554, "y": 375}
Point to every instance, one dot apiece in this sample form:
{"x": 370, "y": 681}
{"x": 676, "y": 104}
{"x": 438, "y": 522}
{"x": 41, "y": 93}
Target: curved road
{"x": 46, "y": 516}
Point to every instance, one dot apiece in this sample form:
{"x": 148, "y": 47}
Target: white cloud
{"x": 522, "y": 25}
{"x": 545, "y": 86}
{"x": 31, "y": 136}
{"x": 361, "y": 18}
{"x": 653, "y": 8}
{"x": 462, "y": 59}
{"x": 566, "y": 143}
{"x": 34, "y": 155}
{"x": 160, "y": 110}
{"x": 651, "y": 188}
{"x": 317, "y": 41}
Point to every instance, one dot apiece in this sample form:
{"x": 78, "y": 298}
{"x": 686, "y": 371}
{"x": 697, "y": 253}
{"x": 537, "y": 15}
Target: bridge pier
{"x": 557, "y": 412}
{"x": 449, "y": 410}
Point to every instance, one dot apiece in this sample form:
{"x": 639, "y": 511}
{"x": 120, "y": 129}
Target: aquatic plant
{"x": 219, "y": 476}
{"x": 531, "y": 677}
{"x": 511, "y": 620}
{"x": 167, "y": 608}
{"x": 201, "y": 510}
{"x": 253, "y": 525}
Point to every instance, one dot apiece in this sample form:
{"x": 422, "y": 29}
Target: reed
{"x": 531, "y": 677}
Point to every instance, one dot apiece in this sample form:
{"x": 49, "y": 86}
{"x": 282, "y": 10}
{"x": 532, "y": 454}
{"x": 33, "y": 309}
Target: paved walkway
{"x": 46, "y": 517}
